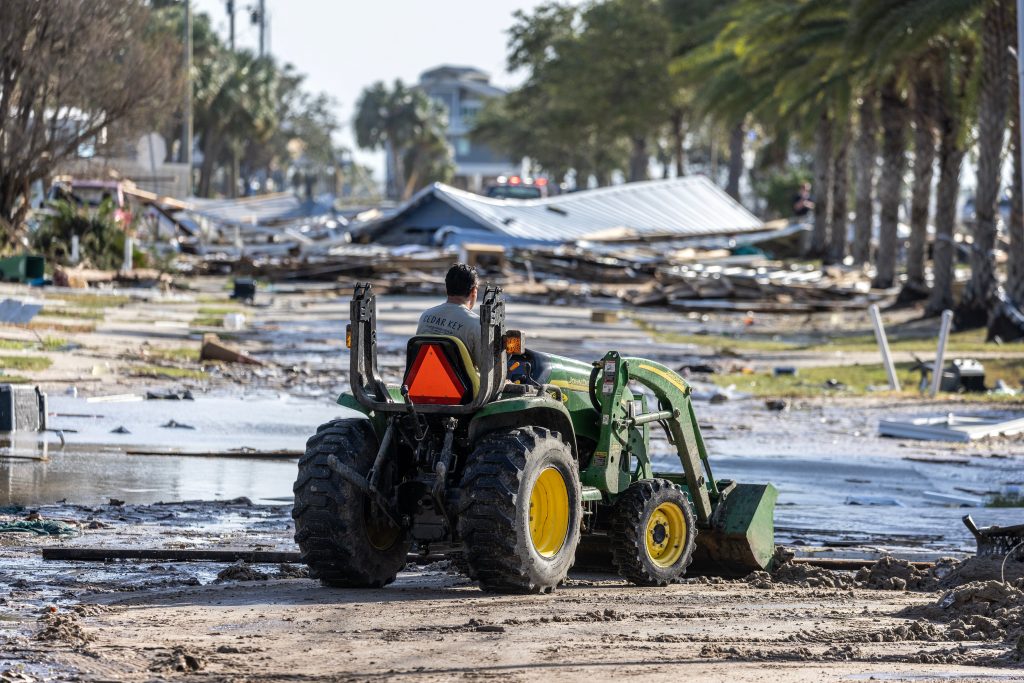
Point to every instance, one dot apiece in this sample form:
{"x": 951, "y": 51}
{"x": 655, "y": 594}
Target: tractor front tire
{"x": 653, "y": 533}
{"x": 521, "y": 511}
{"x": 344, "y": 538}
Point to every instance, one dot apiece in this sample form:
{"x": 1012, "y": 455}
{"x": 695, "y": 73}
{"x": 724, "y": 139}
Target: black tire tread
{"x": 326, "y": 526}
{"x": 487, "y": 519}
{"x": 628, "y": 532}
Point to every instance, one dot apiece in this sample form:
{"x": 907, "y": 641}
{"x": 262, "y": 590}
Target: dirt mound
{"x": 292, "y": 571}
{"x": 178, "y": 659}
{"x": 981, "y": 569}
{"x": 240, "y": 571}
{"x": 60, "y": 627}
{"x": 890, "y": 573}
{"x": 802, "y": 576}
{"x": 984, "y": 611}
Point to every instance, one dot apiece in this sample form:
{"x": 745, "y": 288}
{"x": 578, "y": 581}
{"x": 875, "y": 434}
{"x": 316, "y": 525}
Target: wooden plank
{"x": 169, "y": 555}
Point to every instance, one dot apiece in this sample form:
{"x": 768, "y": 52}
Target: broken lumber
{"x": 242, "y": 453}
{"x": 214, "y": 349}
{"x": 170, "y": 555}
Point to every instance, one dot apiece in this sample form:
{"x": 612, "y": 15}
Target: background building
{"x": 463, "y": 91}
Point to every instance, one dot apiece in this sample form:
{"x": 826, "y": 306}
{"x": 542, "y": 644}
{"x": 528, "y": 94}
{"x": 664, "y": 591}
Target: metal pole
{"x": 231, "y": 23}
{"x": 263, "y": 26}
{"x": 883, "y": 345}
{"x": 940, "y": 353}
{"x": 187, "y": 142}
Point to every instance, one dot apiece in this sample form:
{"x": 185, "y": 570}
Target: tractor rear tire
{"x": 653, "y": 533}
{"x": 344, "y": 539}
{"x": 521, "y": 511}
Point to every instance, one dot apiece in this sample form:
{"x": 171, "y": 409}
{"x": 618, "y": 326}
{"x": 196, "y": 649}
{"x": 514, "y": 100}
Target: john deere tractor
{"x": 511, "y": 462}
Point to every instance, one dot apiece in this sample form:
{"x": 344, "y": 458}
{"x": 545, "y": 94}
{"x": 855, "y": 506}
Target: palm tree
{"x": 865, "y": 159}
{"x": 952, "y": 120}
{"x": 894, "y": 145}
{"x": 923, "y": 107}
{"x": 235, "y": 102}
{"x": 993, "y": 109}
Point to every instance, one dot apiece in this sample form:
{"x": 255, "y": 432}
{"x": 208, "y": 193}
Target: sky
{"x": 344, "y": 45}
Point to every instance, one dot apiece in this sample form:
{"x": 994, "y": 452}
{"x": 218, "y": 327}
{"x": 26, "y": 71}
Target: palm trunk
{"x": 993, "y": 107}
{"x": 915, "y": 287}
{"x": 951, "y": 156}
{"x": 822, "y": 185}
{"x": 840, "y": 177}
{"x": 890, "y": 184}
{"x": 638, "y": 159}
{"x": 736, "y": 136}
{"x": 864, "y": 161}
{"x": 678, "y": 137}
{"x": 1015, "y": 266}
{"x": 397, "y": 172}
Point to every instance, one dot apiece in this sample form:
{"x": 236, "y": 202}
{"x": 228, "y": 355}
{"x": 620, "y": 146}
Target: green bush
{"x": 100, "y": 237}
{"x": 778, "y": 189}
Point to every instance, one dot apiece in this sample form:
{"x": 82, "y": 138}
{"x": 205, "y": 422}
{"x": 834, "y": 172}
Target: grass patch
{"x": 174, "y": 353}
{"x": 68, "y": 328}
{"x": 84, "y": 313}
{"x": 49, "y": 344}
{"x": 25, "y": 363}
{"x": 14, "y": 379}
{"x": 748, "y": 342}
{"x": 969, "y": 341}
{"x": 1005, "y": 500}
{"x": 96, "y": 300}
{"x": 219, "y": 310}
{"x": 171, "y": 373}
{"x": 207, "y": 321}
{"x": 811, "y": 382}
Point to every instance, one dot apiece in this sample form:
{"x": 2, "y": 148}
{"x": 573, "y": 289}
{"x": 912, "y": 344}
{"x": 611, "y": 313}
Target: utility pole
{"x": 187, "y": 132}
{"x": 231, "y": 23}
{"x": 263, "y": 27}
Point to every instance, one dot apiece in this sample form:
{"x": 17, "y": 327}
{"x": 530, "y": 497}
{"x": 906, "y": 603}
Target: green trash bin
{"x": 24, "y": 268}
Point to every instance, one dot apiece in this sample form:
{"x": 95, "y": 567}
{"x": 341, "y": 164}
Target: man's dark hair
{"x": 460, "y": 279}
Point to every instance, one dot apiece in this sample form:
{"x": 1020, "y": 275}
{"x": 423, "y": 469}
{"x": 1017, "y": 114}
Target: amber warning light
{"x": 513, "y": 342}
{"x": 348, "y": 336}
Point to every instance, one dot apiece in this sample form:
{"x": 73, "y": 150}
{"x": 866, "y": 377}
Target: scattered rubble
{"x": 240, "y": 571}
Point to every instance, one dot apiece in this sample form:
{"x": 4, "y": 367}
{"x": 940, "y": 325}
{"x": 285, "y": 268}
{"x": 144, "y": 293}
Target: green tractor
{"x": 512, "y": 463}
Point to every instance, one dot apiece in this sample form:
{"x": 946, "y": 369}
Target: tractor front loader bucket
{"x": 742, "y": 534}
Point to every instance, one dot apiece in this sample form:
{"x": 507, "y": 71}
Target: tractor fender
{"x": 540, "y": 411}
{"x": 377, "y": 421}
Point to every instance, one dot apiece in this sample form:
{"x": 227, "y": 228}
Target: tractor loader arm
{"x": 620, "y": 413}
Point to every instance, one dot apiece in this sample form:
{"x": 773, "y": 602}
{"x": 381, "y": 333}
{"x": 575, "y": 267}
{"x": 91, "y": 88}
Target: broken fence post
{"x": 883, "y": 345}
{"x": 940, "y": 352}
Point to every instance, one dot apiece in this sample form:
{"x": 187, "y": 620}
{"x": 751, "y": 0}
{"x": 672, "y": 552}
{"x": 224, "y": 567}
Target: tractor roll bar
{"x": 371, "y": 391}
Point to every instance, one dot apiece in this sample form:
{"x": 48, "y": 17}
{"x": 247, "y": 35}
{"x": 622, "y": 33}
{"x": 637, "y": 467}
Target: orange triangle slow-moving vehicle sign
{"x": 432, "y": 379}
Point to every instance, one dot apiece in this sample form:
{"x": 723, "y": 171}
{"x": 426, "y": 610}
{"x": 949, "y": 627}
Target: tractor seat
{"x": 439, "y": 370}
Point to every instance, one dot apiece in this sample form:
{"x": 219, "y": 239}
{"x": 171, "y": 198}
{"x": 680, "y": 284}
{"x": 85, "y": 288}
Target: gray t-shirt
{"x": 453, "y": 320}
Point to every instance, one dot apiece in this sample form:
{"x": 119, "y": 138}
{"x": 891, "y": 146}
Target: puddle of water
{"x": 94, "y": 468}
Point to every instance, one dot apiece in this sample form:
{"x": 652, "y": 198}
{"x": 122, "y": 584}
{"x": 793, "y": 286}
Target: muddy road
{"x": 433, "y": 626}
{"x": 142, "y": 621}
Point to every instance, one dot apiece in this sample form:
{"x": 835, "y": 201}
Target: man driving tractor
{"x": 455, "y": 317}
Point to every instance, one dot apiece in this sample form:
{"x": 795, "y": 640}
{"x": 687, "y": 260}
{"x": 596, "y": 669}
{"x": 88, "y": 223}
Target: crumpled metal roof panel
{"x": 689, "y": 206}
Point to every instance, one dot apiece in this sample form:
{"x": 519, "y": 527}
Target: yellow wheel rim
{"x": 549, "y": 512}
{"x": 380, "y": 532}
{"x": 666, "y": 534}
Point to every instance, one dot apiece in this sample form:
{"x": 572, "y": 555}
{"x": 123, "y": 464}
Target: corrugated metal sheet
{"x": 262, "y": 209}
{"x": 690, "y": 206}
